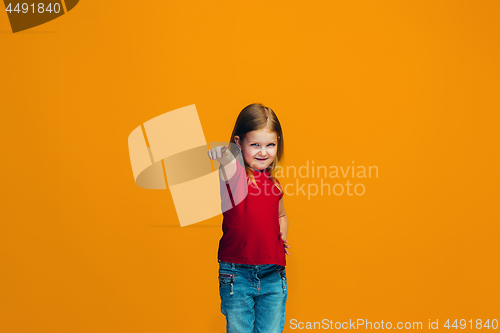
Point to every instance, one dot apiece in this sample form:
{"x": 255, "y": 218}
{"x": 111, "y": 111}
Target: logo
{"x": 171, "y": 150}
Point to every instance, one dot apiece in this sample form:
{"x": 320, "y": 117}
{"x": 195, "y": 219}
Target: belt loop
{"x": 232, "y": 265}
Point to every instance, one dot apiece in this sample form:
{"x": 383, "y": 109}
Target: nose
{"x": 262, "y": 152}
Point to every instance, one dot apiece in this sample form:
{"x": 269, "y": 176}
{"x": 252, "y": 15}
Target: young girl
{"x": 252, "y": 276}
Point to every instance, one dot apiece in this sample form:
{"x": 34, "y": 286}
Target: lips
{"x": 260, "y": 159}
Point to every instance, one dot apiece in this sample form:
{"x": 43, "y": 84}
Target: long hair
{"x": 252, "y": 118}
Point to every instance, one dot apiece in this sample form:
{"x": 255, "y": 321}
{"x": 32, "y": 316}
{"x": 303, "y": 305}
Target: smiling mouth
{"x": 261, "y": 159}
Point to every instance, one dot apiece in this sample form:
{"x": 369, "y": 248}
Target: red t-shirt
{"x": 251, "y": 223}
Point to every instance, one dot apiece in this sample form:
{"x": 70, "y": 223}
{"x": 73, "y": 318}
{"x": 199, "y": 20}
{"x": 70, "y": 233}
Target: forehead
{"x": 263, "y": 135}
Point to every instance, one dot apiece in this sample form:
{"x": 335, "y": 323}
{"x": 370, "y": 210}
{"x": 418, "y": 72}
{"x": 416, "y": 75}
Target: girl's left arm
{"x": 283, "y": 220}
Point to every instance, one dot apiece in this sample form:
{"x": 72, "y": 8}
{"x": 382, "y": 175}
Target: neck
{"x": 257, "y": 169}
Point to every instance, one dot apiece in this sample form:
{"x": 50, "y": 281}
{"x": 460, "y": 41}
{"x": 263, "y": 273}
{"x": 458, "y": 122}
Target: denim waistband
{"x": 233, "y": 265}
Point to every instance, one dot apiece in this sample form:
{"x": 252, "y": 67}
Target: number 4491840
{"x": 40, "y": 8}
{"x": 478, "y": 324}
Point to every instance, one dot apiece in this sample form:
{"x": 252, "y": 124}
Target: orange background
{"x": 411, "y": 87}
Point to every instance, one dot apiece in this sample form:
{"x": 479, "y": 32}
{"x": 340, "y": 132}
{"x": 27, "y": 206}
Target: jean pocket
{"x": 227, "y": 280}
{"x": 282, "y": 272}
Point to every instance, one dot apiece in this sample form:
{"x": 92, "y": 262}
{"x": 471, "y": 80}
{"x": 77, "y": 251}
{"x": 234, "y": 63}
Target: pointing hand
{"x": 221, "y": 154}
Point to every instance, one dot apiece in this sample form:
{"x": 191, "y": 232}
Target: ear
{"x": 237, "y": 141}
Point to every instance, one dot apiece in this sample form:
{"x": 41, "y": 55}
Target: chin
{"x": 260, "y": 167}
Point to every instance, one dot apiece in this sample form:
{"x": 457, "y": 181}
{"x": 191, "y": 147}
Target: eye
{"x": 256, "y": 144}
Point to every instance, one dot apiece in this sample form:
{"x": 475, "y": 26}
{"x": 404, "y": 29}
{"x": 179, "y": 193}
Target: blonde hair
{"x": 252, "y": 118}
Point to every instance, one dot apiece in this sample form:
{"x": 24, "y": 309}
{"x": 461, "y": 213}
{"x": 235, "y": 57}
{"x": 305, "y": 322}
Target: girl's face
{"x": 259, "y": 148}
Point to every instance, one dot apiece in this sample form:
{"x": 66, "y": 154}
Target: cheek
{"x": 248, "y": 154}
{"x": 251, "y": 151}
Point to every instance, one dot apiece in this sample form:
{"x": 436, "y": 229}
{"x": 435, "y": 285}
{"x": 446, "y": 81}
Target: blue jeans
{"x": 253, "y": 297}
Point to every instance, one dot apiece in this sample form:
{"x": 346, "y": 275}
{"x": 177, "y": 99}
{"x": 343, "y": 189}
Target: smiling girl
{"x": 252, "y": 275}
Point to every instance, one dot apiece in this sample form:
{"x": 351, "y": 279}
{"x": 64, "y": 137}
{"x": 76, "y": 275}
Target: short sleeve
{"x": 233, "y": 191}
